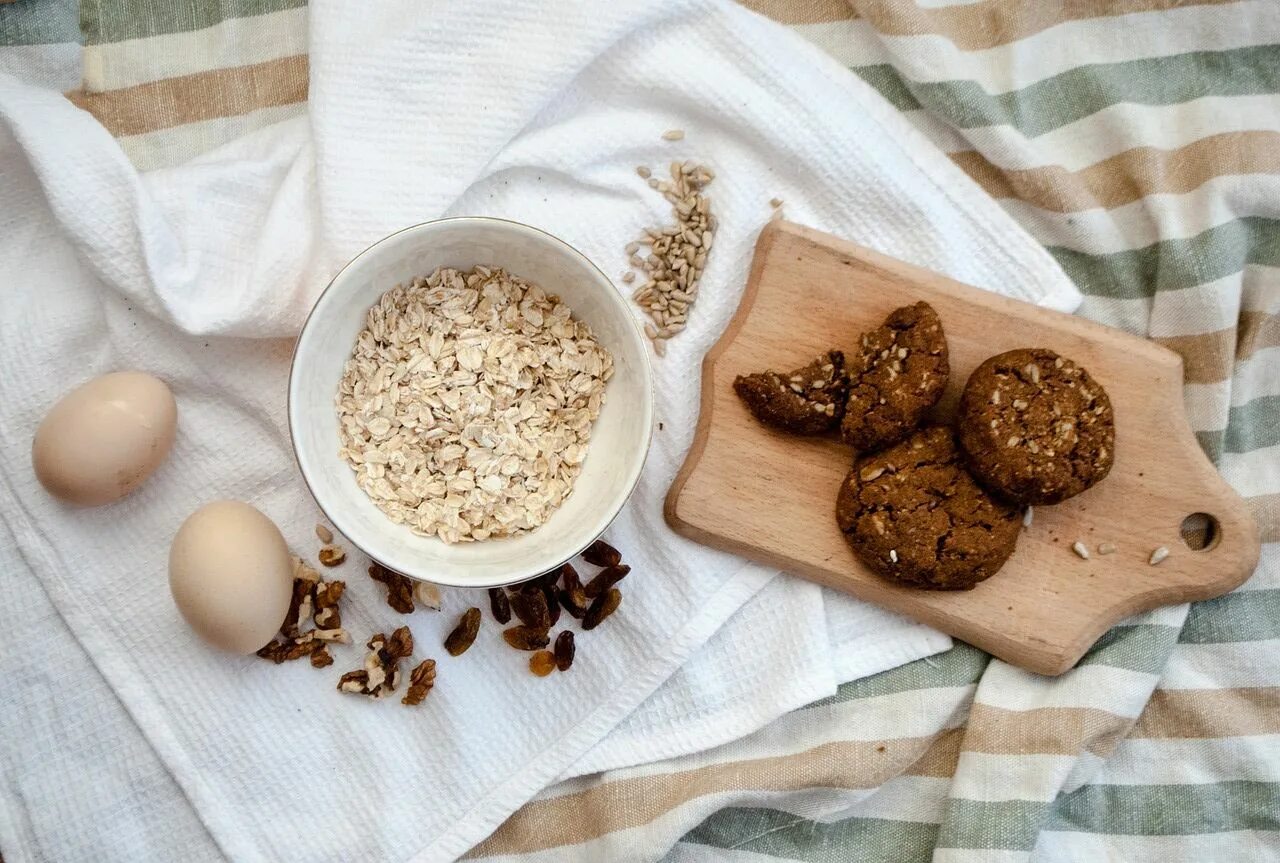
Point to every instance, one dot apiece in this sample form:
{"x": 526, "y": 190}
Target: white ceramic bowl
{"x": 619, "y": 439}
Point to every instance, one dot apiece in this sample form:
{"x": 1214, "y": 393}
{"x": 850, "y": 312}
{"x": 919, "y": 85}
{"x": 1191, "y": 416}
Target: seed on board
{"x": 600, "y": 553}
{"x": 1081, "y": 549}
{"x": 526, "y": 638}
{"x": 332, "y": 555}
{"x": 1106, "y": 548}
{"x": 628, "y": 277}
{"x": 775, "y": 202}
{"x": 604, "y": 605}
{"x": 893, "y": 555}
{"x": 673, "y": 135}
{"x": 499, "y": 605}
{"x": 644, "y": 172}
{"x": 606, "y": 578}
{"x": 1027, "y": 517}
{"x": 564, "y": 650}
{"x": 869, "y": 473}
{"x": 464, "y": 634}
{"x": 1158, "y": 556}
{"x": 325, "y": 535}
{"x": 542, "y": 663}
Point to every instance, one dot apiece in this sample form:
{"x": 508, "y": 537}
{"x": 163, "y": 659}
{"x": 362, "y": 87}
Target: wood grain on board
{"x": 770, "y": 496}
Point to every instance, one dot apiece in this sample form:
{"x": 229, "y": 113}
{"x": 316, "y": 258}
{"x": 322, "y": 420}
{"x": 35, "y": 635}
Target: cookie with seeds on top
{"x": 1035, "y": 427}
{"x": 809, "y": 400}
{"x": 914, "y": 515}
{"x": 898, "y": 374}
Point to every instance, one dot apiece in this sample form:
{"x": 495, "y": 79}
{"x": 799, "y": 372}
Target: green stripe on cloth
{"x": 1144, "y": 647}
{"x": 1011, "y": 824}
{"x": 1250, "y": 426}
{"x": 1170, "y": 810}
{"x": 106, "y": 21}
{"x": 886, "y": 80}
{"x": 1252, "y": 615}
{"x": 39, "y": 22}
{"x": 1054, "y": 102}
{"x": 959, "y": 666}
{"x": 781, "y": 834}
{"x": 1171, "y": 265}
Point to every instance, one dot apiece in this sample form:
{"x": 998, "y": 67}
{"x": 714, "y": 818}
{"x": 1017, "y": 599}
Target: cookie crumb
{"x": 1079, "y": 548}
{"x": 1158, "y": 556}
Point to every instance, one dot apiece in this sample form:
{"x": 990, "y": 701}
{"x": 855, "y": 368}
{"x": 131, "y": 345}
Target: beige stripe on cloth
{"x": 1190, "y": 713}
{"x": 802, "y": 11}
{"x": 975, "y": 26}
{"x": 631, "y": 802}
{"x": 193, "y": 98}
{"x": 1208, "y": 358}
{"x": 1129, "y": 176}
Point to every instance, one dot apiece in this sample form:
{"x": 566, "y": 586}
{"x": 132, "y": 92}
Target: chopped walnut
{"x": 315, "y": 600}
{"x": 399, "y": 588}
{"x": 421, "y": 679}
{"x": 381, "y": 672}
{"x": 332, "y": 555}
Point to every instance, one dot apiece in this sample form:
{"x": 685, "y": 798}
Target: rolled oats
{"x": 467, "y": 405}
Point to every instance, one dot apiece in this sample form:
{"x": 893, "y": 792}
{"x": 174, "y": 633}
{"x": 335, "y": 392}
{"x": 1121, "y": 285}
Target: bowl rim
{"x": 646, "y": 370}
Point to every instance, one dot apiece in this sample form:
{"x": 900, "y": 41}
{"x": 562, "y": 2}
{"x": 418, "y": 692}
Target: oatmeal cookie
{"x": 809, "y": 400}
{"x": 899, "y": 373}
{"x": 1035, "y": 427}
{"x": 914, "y": 515}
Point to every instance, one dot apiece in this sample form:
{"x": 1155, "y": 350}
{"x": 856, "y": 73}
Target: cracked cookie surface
{"x": 914, "y": 515}
{"x": 898, "y": 374}
{"x": 809, "y": 400}
{"x": 1035, "y": 427}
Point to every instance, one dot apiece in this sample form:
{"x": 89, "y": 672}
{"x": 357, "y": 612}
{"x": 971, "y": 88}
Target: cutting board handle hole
{"x": 1200, "y": 531}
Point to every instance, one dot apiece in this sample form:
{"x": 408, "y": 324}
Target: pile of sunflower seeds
{"x": 677, "y": 253}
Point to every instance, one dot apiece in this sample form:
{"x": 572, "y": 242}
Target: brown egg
{"x": 231, "y": 575}
{"x": 104, "y": 438}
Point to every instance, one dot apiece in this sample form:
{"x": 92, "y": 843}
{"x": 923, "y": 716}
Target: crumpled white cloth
{"x": 201, "y": 273}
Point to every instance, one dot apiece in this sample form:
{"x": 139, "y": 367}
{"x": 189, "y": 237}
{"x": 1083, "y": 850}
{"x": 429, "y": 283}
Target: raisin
{"x": 606, "y": 579}
{"x": 526, "y": 637}
{"x": 499, "y": 605}
{"x": 573, "y": 597}
{"x": 605, "y": 604}
{"x": 542, "y": 663}
{"x": 600, "y": 553}
{"x": 553, "y": 604}
{"x": 564, "y": 650}
{"x": 464, "y": 634}
{"x": 400, "y": 645}
{"x": 531, "y": 607}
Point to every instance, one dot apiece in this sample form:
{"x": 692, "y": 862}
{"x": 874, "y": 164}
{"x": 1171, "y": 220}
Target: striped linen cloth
{"x": 1139, "y": 141}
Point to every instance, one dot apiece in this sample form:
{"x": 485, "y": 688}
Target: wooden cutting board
{"x": 770, "y": 496}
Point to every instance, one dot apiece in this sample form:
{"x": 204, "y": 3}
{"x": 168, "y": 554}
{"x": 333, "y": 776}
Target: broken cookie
{"x": 898, "y": 374}
{"x": 809, "y": 400}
